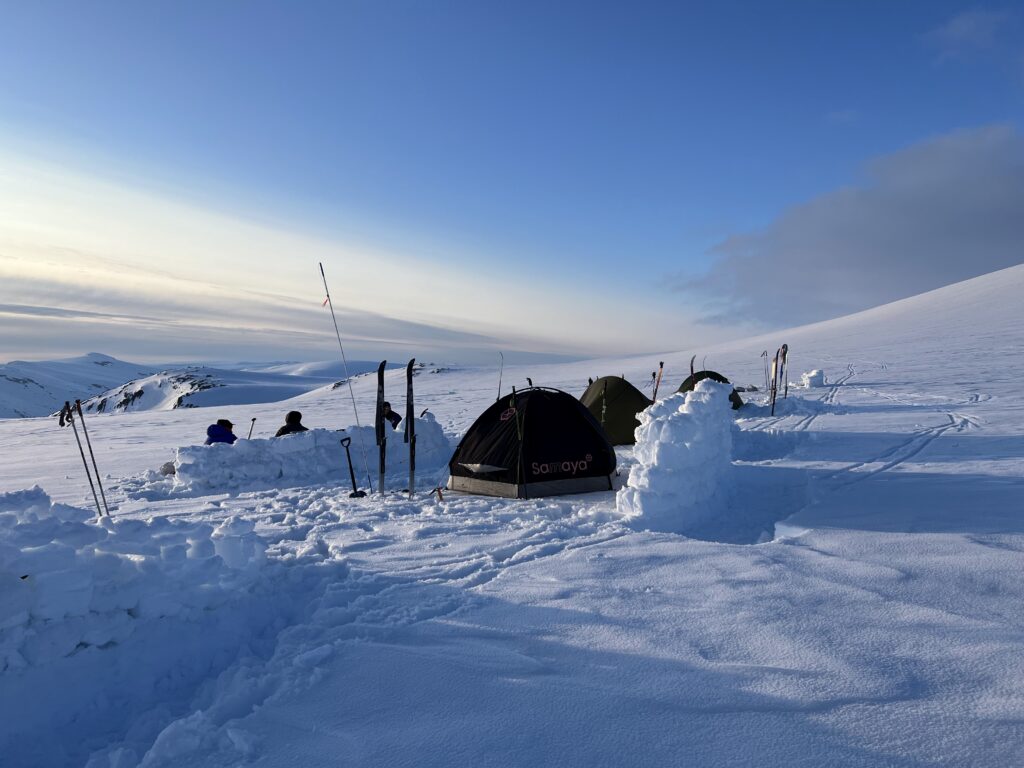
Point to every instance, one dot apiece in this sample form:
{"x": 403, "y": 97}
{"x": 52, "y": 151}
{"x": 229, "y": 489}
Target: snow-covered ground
{"x": 849, "y": 593}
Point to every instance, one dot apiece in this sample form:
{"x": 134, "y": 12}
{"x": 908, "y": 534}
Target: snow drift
{"x": 306, "y": 458}
{"x": 684, "y": 456}
{"x": 119, "y": 621}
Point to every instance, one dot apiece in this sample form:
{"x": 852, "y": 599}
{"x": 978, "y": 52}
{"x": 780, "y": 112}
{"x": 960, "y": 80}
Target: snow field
{"x": 683, "y": 459}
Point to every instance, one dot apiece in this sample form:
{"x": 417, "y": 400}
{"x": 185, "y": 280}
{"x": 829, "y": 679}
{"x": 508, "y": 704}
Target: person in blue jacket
{"x": 220, "y": 432}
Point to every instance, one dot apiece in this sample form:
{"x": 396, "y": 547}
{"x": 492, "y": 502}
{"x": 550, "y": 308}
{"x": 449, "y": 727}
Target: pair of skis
{"x": 409, "y": 435}
{"x": 382, "y": 438}
{"x": 67, "y": 418}
{"x": 779, "y": 371}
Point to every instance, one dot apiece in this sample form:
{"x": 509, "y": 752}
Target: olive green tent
{"x": 615, "y": 402}
{"x": 693, "y": 378}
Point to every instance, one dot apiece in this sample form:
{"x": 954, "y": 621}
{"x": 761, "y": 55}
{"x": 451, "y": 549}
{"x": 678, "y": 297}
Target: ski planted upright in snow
{"x": 410, "y": 426}
{"x": 382, "y": 436}
{"x": 501, "y": 370}
{"x": 773, "y": 387}
{"x": 785, "y": 370}
{"x": 657, "y": 381}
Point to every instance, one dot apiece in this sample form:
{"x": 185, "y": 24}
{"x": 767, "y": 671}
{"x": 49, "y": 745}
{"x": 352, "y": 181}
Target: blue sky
{"x": 604, "y": 151}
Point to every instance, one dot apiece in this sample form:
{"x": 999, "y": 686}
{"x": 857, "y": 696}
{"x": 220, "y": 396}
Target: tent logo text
{"x": 569, "y": 467}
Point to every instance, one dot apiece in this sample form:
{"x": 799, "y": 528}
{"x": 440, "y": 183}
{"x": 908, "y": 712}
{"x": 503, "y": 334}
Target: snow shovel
{"x": 356, "y": 493}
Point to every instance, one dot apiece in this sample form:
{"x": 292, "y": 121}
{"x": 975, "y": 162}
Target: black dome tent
{"x": 614, "y": 402}
{"x": 537, "y": 442}
{"x": 693, "y": 378}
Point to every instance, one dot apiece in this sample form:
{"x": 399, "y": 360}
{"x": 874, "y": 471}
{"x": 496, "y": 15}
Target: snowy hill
{"x": 837, "y": 584}
{"x": 197, "y": 386}
{"x": 322, "y": 369}
{"x": 40, "y": 388}
{"x": 107, "y": 385}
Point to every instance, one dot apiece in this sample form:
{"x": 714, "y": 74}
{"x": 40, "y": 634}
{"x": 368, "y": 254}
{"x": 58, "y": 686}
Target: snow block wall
{"x": 684, "y": 458}
{"x": 310, "y": 457}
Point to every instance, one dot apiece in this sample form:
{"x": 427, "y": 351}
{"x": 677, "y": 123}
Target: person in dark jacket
{"x": 220, "y": 433}
{"x": 292, "y": 424}
{"x": 391, "y": 416}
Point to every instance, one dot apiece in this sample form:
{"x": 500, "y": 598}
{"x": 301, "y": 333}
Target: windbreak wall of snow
{"x": 693, "y": 378}
{"x": 537, "y": 442}
{"x": 615, "y": 403}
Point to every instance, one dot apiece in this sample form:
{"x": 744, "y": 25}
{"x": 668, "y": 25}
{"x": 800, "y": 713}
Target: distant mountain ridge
{"x": 105, "y": 384}
{"x": 196, "y": 386}
{"x": 40, "y": 388}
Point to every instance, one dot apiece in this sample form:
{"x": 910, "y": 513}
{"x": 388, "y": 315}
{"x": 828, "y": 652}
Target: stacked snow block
{"x": 684, "y": 457}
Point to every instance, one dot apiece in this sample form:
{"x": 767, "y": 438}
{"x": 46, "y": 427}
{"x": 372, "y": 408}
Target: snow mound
{"x": 100, "y": 621}
{"x": 684, "y": 457}
{"x": 307, "y": 458}
{"x": 815, "y": 378}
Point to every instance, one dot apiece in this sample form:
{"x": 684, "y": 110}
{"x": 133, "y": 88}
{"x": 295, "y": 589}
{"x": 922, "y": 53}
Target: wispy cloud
{"x": 940, "y": 211}
{"x": 969, "y": 31}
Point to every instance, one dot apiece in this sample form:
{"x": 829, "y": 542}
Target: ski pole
{"x": 251, "y": 425}
{"x": 88, "y": 443}
{"x": 765, "y": 356}
{"x": 67, "y": 417}
{"x": 356, "y": 493}
{"x": 348, "y": 379}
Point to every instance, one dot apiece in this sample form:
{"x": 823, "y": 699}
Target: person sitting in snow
{"x": 292, "y": 424}
{"x": 391, "y": 416}
{"x": 220, "y": 433}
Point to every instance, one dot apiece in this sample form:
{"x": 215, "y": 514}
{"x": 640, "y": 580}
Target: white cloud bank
{"x": 944, "y": 210}
{"x": 89, "y": 265}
